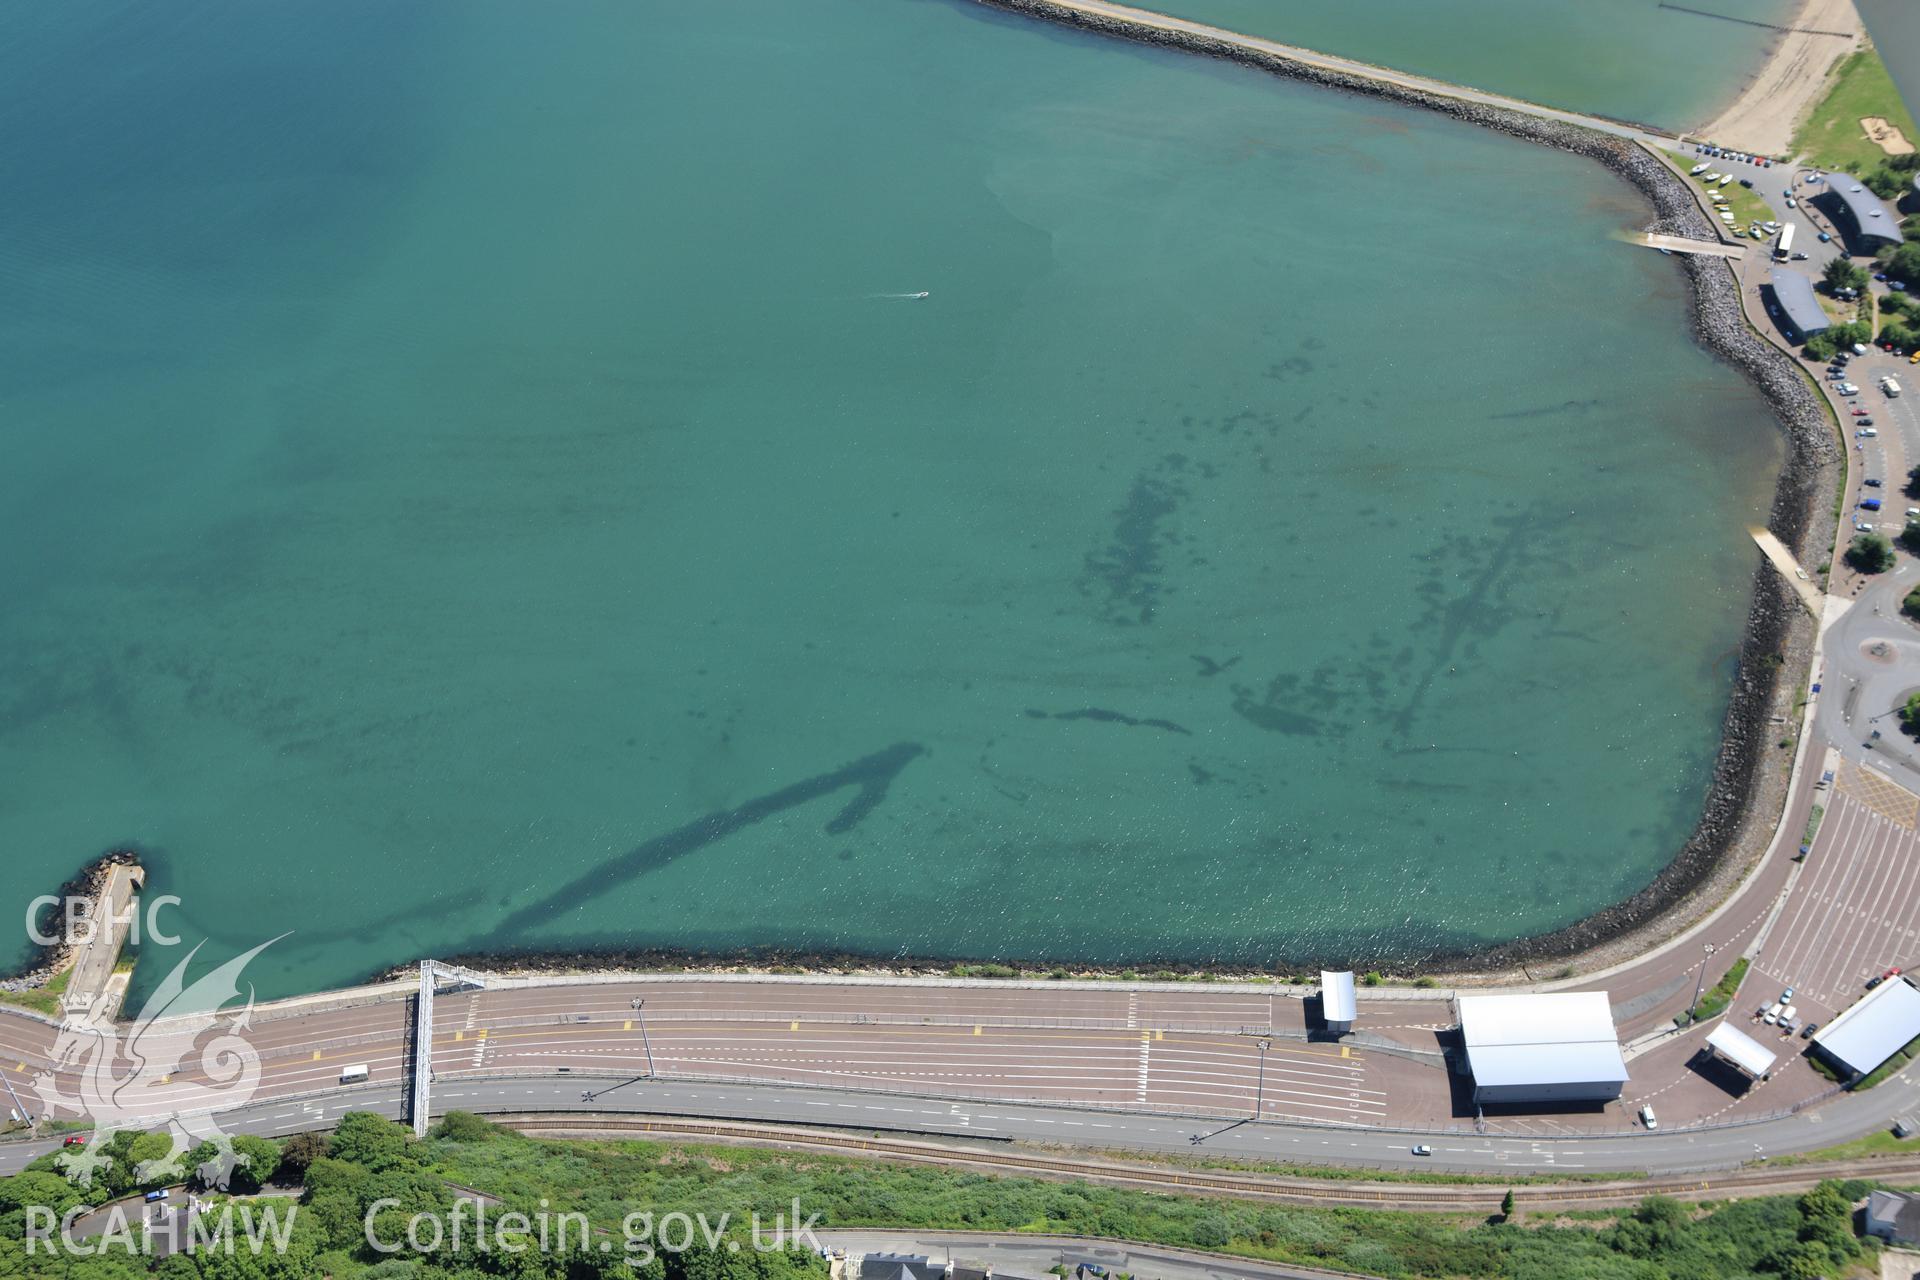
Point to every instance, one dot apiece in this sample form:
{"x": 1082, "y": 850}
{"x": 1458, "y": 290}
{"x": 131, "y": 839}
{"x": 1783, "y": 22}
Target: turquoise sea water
{"x": 1672, "y": 65}
{"x": 472, "y": 481}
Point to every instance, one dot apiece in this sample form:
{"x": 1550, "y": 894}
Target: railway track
{"x": 1443, "y": 1197}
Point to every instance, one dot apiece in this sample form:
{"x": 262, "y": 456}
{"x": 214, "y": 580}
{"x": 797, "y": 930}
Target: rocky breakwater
{"x": 1748, "y": 792}
{"x": 84, "y": 890}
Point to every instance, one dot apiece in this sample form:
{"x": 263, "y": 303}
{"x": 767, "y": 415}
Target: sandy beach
{"x": 1761, "y": 119}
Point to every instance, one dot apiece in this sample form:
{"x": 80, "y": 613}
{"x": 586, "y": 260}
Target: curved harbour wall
{"x": 1748, "y": 790}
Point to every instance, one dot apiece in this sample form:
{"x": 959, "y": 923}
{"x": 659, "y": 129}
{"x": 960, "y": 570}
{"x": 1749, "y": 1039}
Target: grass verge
{"x": 1831, "y": 135}
{"x": 1719, "y": 996}
{"x": 40, "y": 999}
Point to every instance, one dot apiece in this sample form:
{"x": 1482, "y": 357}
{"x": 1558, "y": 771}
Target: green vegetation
{"x": 1746, "y": 207}
{"x": 1840, "y": 337}
{"x": 1882, "y": 1143}
{"x": 1832, "y": 137}
{"x": 1870, "y": 553}
{"x": 1910, "y": 716}
{"x": 1912, "y": 1050}
{"x": 1903, "y": 264}
{"x": 1911, "y": 605}
{"x": 1721, "y": 994}
{"x": 1844, "y": 273}
{"x": 1813, "y": 829}
{"x": 371, "y": 1159}
{"x": 41, "y": 999}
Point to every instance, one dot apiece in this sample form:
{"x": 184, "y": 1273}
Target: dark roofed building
{"x": 1859, "y": 213}
{"x": 1894, "y": 1216}
{"x": 901, "y": 1266}
{"x": 1800, "y": 309}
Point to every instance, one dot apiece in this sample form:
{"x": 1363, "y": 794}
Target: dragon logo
{"x": 175, "y": 1068}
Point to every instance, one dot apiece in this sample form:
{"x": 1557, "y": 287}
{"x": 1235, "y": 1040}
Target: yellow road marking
{"x": 795, "y": 1026}
{"x": 483, "y": 1033}
{"x": 20, "y": 1067}
{"x": 1345, "y": 1052}
{"x": 315, "y": 1057}
{"x": 976, "y": 1028}
{"x": 1159, "y": 1033}
{"x": 627, "y": 1025}
{"x": 458, "y": 1036}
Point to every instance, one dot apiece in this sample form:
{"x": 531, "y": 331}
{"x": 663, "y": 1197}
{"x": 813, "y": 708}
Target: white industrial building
{"x": 1876, "y": 1026}
{"x": 1742, "y": 1050}
{"x": 1338, "y": 1005}
{"x": 1542, "y": 1048}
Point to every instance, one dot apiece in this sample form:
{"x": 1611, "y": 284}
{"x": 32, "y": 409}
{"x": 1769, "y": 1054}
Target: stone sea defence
{"x": 1749, "y": 782}
{"x": 49, "y": 959}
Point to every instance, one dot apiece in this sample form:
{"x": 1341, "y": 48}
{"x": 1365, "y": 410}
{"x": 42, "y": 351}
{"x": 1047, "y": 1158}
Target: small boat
{"x": 1699, "y": 169}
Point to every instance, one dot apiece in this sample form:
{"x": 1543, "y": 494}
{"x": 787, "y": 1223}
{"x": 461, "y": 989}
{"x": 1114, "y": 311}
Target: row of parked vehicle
{"x": 1782, "y": 1013}
{"x": 1740, "y": 157}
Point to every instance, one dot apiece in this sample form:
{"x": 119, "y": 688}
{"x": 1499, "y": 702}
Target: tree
{"x": 370, "y": 1141}
{"x": 299, "y": 1150}
{"x": 261, "y": 1159}
{"x": 1910, "y": 541}
{"x": 1506, "y": 1205}
{"x": 1870, "y": 553}
{"x": 1843, "y": 274}
{"x": 464, "y": 1126}
{"x": 1903, "y": 264}
{"x": 1910, "y": 716}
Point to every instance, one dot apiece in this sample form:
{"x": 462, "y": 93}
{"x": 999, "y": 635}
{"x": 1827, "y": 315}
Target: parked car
{"x": 1898, "y": 286}
{"x": 1825, "y": 238}
{"x": 152, "y": 1196}
{"x": 74, "y": 1140}
{"x": 1874, "y": 982}
{"x": 1423, "y": 1150}
{"x": 1871, "y": 482}
{"x": 1914, "y": 358}
{"x": 1787, "y": 996}
{"x": 1773, "y": 1012}
{"x": 1787, "y": 1015}
{"x": 1892, "y": 973}
{"x": 1860, "y": 527}
{"x": 1647, "y": 1117}
{"x": 1847, "y": 389}
{"x": 1799, "y": 257}
{"x": 1793, "y": 204}
{"x": 1806, "y": 1032}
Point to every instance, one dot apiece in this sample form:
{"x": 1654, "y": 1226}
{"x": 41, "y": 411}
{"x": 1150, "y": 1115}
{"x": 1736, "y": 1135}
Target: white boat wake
{"x": 901, "y": 296}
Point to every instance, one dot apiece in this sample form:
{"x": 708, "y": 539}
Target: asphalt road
{"x": 1843, "y": 1118}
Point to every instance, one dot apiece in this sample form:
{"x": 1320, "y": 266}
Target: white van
{"x": 1890, "y": 385}
{"x": 1647, "y": 1117}
{"x": 353, "y": 1075}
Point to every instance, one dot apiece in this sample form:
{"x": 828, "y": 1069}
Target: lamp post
{"x": 1260, "y": 1086}
{"x": 1694, "y": 1008}
{"x": 639, "y": 1013}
